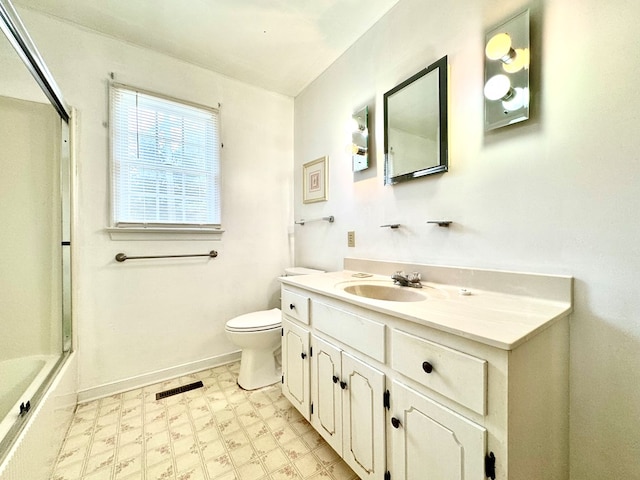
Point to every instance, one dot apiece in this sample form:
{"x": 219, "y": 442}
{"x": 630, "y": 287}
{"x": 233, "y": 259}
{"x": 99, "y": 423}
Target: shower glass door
{"x": 35, "y": 283}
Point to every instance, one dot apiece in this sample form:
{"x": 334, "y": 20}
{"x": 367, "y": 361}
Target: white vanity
{"x": 439, "y": 383}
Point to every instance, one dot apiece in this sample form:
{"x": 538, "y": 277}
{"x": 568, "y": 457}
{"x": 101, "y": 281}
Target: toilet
{"x": 258, "y": 334}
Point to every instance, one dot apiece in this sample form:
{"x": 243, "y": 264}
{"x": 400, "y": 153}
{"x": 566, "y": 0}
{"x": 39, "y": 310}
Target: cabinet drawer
{"x": 362, "y": 334}
{"x": 456, "y": 375}
{"x": 295, "y": 305}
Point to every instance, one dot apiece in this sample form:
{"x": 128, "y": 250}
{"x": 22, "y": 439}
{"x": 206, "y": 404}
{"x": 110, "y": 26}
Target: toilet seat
{"x": 256, "y": 321}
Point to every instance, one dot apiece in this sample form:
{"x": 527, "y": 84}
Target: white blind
{"x": 165, "y": 161}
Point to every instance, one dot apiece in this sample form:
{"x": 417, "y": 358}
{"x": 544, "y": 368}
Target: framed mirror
{"x": 415, "y": 125}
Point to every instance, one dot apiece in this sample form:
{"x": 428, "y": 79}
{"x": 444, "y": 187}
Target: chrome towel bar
{"x": 329, "y": 219}
{"x": 121, "y": 257}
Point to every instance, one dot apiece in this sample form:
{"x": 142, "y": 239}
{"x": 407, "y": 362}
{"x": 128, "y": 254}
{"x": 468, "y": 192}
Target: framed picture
{"x": 314, "y": 180}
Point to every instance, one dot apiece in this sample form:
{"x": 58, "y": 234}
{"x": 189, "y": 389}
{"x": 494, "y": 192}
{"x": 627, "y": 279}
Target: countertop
{"x": 497, "y": 319}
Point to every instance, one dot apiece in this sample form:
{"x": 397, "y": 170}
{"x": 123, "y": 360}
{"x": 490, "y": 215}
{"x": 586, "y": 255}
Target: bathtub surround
{"x": 21, "y": 378}
{"x": 31, "y": 315}
{"x": 34, "y": 453}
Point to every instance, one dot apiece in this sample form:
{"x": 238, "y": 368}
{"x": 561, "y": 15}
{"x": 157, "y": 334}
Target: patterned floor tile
{"x": 217, "y": 432}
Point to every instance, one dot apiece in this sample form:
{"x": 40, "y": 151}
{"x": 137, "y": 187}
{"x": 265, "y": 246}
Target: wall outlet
{"x": 351, "y": 239}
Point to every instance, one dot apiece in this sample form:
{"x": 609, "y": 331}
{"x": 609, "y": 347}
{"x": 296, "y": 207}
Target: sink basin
{"x": 383, "y": 291}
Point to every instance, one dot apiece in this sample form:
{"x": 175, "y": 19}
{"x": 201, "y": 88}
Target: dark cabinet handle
{"x": 291, "y": 306}
{"x": 395, "y": 422}
{"x": 343, "y": 385}
{"x": 427, "y": 367}
{"x": 303, "y": 355}
{"x": 335, "y": 379}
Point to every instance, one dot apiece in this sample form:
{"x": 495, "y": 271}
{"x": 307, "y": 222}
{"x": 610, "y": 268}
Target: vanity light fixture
{"x": 507, "y": 58}
{"x": 360, "y": 139}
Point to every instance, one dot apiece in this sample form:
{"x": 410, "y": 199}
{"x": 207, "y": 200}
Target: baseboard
{"x": 157, "y": 376}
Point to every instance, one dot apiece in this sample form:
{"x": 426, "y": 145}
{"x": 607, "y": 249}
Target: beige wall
{"x": 557, "y": 194}
{"x": 140, "y": 319}
{"x": 30, "y": 262}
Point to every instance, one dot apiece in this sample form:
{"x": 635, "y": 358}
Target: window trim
{"x": 164, "y": 233}
{"x": 160, "y": 231}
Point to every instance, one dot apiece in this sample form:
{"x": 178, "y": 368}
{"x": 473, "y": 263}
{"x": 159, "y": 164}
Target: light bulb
{"x": 499, "y": 48}
{"x": 498, "y": 87}
{"x": 519, "y": 99}
{"x": 358, "y": 150}
{"x": 520, "y": 61}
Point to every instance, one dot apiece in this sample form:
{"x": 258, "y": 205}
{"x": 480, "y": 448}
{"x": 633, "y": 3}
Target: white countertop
{"x": 498, "y": 319}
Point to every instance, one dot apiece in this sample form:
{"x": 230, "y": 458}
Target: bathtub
{"x": 20, "y": 378}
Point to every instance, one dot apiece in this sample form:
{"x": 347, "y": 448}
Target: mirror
{"x": 415, "y": 125}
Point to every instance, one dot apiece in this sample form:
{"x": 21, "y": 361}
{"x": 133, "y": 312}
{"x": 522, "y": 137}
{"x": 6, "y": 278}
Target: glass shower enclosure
{"x": 35, "y": 247}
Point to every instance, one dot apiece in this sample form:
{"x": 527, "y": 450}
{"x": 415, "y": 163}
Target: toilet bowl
{"x": 258, "y": 334}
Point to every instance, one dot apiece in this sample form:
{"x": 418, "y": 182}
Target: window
{"x": 165, "y": 162}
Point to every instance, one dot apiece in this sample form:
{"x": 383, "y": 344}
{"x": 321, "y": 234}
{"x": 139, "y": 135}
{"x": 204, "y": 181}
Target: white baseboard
{"x": 140, "y": 381}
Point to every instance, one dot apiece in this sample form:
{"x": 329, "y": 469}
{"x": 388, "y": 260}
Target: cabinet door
{"x": 295, "y": 366}
{"x": 326, "y": 393}
{"x": 431, "y": 442}
{"x": 363, "y": 418}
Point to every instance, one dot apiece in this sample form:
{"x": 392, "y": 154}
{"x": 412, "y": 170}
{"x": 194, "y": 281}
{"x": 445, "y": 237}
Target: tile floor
{"x": 218, "y": 432}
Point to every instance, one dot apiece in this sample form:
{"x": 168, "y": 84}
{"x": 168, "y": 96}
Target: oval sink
{"x": 390, "y": 293}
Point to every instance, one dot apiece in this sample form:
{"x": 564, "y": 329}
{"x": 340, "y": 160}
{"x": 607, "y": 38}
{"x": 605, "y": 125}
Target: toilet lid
{"x": 254, "y": 321}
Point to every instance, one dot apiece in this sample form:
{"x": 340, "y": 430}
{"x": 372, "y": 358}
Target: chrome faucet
{"x": 404, "y": 280}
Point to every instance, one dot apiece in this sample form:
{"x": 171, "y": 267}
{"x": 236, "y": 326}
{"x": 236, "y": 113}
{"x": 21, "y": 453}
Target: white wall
{"x": 141, "y": 317}
{"x": 557, "y": 194}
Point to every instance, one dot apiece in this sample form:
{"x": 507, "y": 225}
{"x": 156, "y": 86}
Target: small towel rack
{"x": 329, "y": 219}
{"x": 121, "y": 257}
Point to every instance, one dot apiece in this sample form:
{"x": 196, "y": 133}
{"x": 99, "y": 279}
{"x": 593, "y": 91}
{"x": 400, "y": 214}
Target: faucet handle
{"x": 414, "y": 277}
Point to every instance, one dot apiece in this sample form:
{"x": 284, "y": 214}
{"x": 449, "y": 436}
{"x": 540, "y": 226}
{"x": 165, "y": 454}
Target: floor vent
{"x": 181, "y": 389}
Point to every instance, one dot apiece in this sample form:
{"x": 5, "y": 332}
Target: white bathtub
{"x": 19, "y": 381}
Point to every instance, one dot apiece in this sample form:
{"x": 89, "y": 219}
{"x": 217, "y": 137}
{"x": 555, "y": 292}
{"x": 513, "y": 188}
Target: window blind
{"x": 165, "y": 161}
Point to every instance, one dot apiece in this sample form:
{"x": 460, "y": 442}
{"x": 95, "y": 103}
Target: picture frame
{"x": 315, "y": 176}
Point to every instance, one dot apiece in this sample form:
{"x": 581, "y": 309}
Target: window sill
{"x": 164, "y": 233}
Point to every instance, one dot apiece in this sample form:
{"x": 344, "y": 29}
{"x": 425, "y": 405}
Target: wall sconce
{"x": 506, "y": 73}
{"x": 360, "y": 140}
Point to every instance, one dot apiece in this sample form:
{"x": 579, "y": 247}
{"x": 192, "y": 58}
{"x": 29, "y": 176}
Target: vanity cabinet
{"x": 295, "y": 366}
{"x": 427, "y": 437}
{"x": 402, "y": 397}
{"x": 347, "y": 409}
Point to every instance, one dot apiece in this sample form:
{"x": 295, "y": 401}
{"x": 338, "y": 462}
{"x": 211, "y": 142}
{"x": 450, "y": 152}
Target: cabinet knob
{"x": 427, "y": 367}
{"x": 395, "y": 422}
{"x": 343, "y": 385}
{"x": 291, "y": 306}
{"x": 335, "y": 379}
{"x": 303, "y": 355}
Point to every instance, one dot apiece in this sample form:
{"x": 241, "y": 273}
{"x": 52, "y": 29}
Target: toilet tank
{"x": 293, "y": 271}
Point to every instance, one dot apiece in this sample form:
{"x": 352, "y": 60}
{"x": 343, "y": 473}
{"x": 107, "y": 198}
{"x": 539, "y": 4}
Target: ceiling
{"x": 279, "y": 45}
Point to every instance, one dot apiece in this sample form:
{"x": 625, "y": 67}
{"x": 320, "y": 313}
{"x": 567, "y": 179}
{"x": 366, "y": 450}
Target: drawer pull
{"x": 395, "y": 422}
{"x": 343, "y": 385}
{"x": 291, "y": 306}
{"x": 427, "y": 367}
{"x": 303, "y": 355}
{"x": 335, "y": 379}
